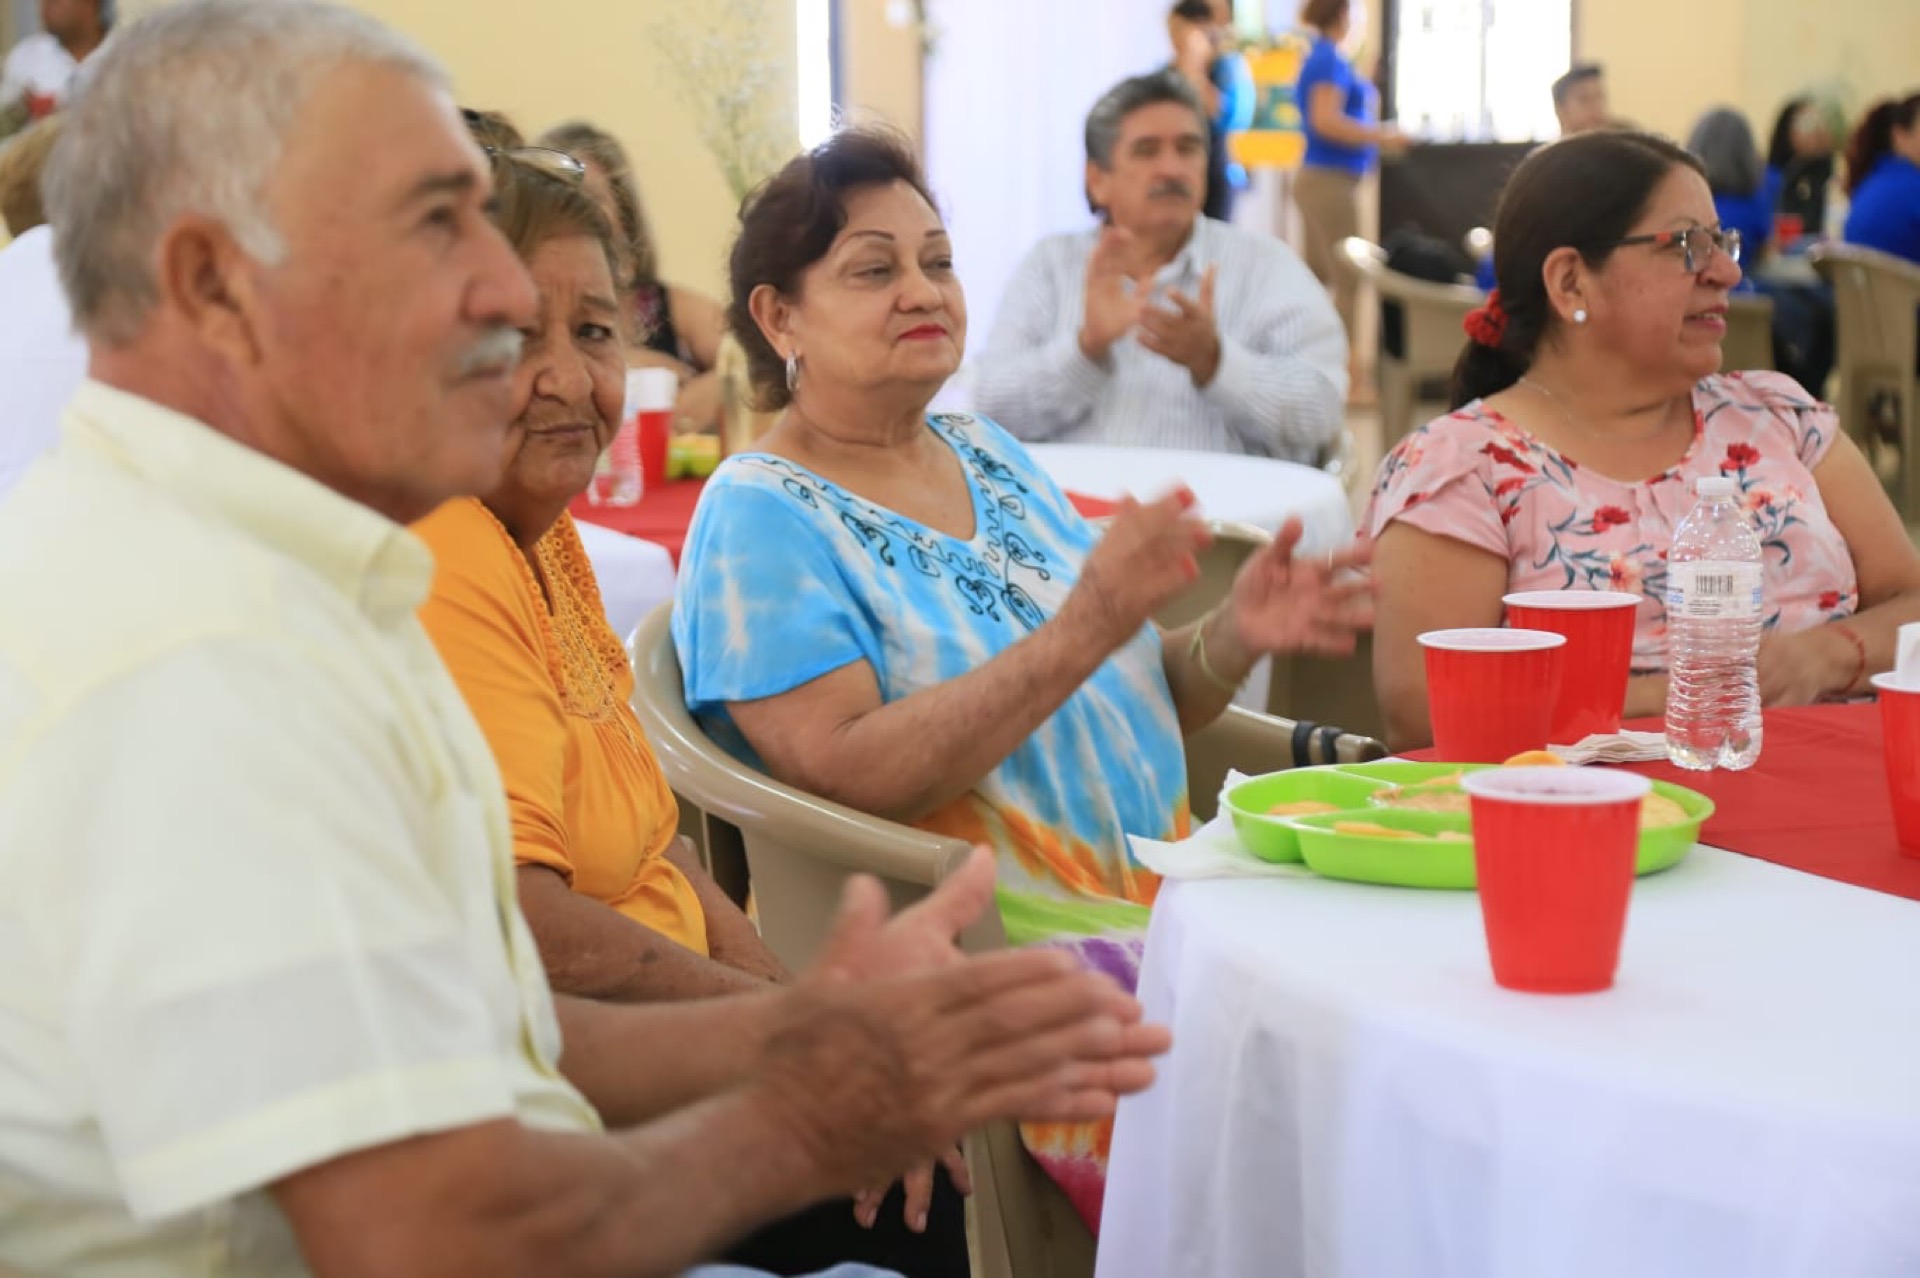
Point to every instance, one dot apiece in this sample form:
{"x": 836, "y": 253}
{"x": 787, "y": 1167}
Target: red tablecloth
{"x": 660, "y": 516}
{"x": 1816, "y": 801}
{"x": 663, "y": 514}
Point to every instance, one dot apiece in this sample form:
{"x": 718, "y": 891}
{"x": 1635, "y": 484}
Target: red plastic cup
{"x": 1900, "y": 747}
{"x": 650, "y": 399}
{"x": 1553, "y": 850}
{"x": 1490, "y": 692}
{"x": 652, "y": 430}
{"x": 1787, "y": 228}
{"x": 1598, "y": 625}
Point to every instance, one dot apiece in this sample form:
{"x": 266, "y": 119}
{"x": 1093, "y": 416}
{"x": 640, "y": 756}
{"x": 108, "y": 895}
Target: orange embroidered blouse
{"x": 550, "y": 688}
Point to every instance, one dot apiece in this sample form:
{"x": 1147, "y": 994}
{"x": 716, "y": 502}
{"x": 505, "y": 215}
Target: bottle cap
{"x": 1715, "y": 486}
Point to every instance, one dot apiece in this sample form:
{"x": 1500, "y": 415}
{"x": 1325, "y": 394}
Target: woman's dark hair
{"x": 790, "y": 223}
{"x": 1582, "y": 192}
{"x": 1322, "y": 14}
{"x": 1780, "y": 153}
{"x": 1723, "y": 142}
{"x": 1872, "y": 141}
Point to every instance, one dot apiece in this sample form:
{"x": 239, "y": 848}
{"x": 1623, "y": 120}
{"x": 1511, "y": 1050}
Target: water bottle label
{"x": 1706, "y": 590}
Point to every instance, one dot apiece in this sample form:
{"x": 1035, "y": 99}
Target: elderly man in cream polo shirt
{"x": 267, "y": 1004}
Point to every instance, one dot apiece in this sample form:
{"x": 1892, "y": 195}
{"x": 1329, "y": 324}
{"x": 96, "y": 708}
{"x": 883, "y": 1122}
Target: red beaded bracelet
{"x": 1860, "y": 654}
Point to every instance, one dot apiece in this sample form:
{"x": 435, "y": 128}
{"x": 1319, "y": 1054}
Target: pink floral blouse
{"x": 1476, "y": 477}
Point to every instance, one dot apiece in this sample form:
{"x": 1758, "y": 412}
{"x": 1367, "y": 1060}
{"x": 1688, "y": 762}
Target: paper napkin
{"x": 1615, "y": 747}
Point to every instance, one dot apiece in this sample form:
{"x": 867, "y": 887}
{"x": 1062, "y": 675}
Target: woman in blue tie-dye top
{"x": 902, "y": 613}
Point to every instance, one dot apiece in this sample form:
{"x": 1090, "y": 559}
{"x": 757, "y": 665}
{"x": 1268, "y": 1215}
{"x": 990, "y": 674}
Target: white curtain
{"x": 1007, "y": 93}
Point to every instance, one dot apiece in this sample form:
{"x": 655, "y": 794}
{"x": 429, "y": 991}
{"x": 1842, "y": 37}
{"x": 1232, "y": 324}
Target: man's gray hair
{"x": 1128, "y": 96}
{"x": 187, "y": 111}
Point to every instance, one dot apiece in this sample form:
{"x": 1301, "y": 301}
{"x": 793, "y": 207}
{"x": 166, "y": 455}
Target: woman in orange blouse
{"x": 620, "y": 906}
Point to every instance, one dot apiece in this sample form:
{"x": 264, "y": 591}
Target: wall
{"x": 881, "y": 64}
{"x": 1753, "y": 55}
{"x": 593, "y": 58}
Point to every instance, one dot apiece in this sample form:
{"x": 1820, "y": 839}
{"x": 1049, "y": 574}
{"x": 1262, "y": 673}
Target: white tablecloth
{"x": 1248, "y": 490}
{"x": 1350, "y": 1095}
{"x": 635, "y": 576}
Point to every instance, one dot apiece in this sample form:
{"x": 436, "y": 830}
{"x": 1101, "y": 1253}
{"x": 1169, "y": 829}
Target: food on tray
{"x": 1369, "y": 830}
{"x": 1656, "y": 810}
{"x": 1302, "y": 807}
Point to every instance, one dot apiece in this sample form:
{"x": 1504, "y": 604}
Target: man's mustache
{"x": 1170, "y": 186}
{"x": 498, "y": 350}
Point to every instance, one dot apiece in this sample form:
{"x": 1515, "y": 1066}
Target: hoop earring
{"x": 1579, "y": 317}
{"x": 793, "y": 372}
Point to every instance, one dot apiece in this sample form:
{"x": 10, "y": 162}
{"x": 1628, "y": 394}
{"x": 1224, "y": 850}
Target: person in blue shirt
{"x": 1883, "y": 179}
{"x": 1202, "y": 35}
{"x": 1743, "y": 200}
{"x": 1723, "y": 141}
{"x": 1340, "y": 112}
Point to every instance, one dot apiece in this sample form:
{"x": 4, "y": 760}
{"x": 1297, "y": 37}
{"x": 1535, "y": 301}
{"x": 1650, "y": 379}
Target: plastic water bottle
{"x": 620, "y": 476}
{"x": 617, "y": 478}
{"x": 1713, "y": 634}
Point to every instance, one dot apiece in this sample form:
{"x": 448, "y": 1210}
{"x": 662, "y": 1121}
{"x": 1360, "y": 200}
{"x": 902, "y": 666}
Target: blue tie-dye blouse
{"x": 787, "y": 577}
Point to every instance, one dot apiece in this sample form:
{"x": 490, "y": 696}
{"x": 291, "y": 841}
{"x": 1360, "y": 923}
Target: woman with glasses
{"x": 1588, "y": 399}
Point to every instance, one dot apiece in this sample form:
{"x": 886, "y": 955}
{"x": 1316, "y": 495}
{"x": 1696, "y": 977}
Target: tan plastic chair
{"x": 1875, "y": 296}
{"x": 1749, "y": 341}
{"x": 798, "y": 851}
{"x": 1431, "y": 316}
{"x": 1232, "y": 543}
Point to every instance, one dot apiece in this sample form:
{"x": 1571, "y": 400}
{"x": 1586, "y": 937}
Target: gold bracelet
{"x": 1197, "y": 654}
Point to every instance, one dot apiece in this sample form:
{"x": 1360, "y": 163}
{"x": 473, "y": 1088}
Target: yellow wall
{"x": 881, "y": 63}
{"x": 593, "y": 58}
{"x": 1752, "y": 54}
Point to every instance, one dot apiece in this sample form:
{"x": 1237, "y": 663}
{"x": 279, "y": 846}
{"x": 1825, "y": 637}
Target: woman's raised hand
{"x": 1282, "y": 602}
{"x": 1149, "y": 554}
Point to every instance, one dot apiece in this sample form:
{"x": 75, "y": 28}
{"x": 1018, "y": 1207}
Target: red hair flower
{"x": 1487, "y": 324}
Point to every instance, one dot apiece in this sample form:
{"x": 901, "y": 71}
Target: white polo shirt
{"x": 256, "y": 878}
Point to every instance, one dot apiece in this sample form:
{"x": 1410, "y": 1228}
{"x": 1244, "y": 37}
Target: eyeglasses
{"x": 555, "y": 164}
{"x": 1698, "y": 244}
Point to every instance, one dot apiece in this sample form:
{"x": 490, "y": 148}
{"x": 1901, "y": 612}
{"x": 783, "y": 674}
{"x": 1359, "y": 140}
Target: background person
{"x": 672, "y": 326}
{"x": 1162, "y": 328}
{"x": 1339, "y": 112}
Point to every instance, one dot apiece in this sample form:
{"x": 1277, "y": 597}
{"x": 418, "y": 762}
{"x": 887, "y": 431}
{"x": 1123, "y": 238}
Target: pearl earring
{"x": 793, "y": 372}
{"x": 1580, "y": 316}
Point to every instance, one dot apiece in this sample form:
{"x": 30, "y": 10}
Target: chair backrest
{"x": 1231, "y": 545}
{"x": 1875, "y": 297}
{"x": 1749, "y": 341}
{"x": 1431, "y": 313}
